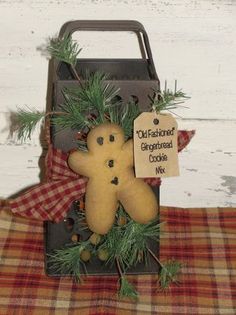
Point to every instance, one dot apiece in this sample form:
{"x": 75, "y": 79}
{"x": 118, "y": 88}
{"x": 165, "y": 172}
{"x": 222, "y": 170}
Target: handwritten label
{"x": 155, "y": 145}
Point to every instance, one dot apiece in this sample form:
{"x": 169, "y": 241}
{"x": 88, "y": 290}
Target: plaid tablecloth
{"x": 203, "y": 239}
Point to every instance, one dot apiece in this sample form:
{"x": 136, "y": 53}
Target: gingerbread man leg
{"x": 100, "y": 210}
{"x": 141, "y": 209}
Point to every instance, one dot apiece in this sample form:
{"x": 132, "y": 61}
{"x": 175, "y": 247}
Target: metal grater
{"x": 136, "y": 79}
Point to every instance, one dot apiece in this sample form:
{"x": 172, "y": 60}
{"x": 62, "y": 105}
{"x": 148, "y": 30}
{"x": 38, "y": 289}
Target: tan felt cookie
{"x": 109, "y": 166}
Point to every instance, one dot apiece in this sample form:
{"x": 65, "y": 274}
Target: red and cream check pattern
{"x": 204, "y": 240}
{"x": 184, "y": 137}
{"x": 52, "y": 200}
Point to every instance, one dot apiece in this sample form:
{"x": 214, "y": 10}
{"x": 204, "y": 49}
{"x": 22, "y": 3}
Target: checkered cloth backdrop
{"x": 52, "y": 200}
{"x": 204, "y": 240}
{"x": 24, "y": 287}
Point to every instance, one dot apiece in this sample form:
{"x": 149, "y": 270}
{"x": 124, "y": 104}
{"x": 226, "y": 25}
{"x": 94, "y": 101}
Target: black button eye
{"x": 111, "y": 138}
{"x": 111, "y": 163}
{"x": 115, "y": 181}
{"x": 100, "y": 140}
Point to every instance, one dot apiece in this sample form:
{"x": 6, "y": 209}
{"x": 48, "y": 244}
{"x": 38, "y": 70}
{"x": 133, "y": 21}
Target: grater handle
{"x": 101, "y": 25}
{"x": 114, "y": 25}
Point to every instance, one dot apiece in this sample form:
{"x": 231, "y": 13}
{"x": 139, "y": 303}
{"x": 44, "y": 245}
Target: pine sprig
{"x": 87, "y": 105}
{"x": 114, "y": 111}
{"x": 67, "y": 260}
{"x": 84, "y": 106}
{"x": 167, "y": 99}
{"x": 26, "y": 122}
{"x": 131, "y": 249}
{"x": 98, "y": 96}
{"x": 133, "y": 242}
{"x": 98, "y": 100}
{"x": 169, "y": 273}
{"x": 129, "y": 113}
{"x": 64, "y": 49}
{"x": 74, "y": 114}
{"x": 127, "y": 289}
{"x": 139, "y": 235}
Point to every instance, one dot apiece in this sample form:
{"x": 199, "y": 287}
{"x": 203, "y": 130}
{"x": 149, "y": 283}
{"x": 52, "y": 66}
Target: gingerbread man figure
{"x": 109, "y": 166}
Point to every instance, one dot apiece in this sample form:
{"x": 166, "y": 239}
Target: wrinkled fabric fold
{"x": 51, "y": 200}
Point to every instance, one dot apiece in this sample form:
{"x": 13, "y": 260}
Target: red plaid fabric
{"x": 51, "y": 200}
{"x": 184, "y": 137}
{"x": 203, "y": 240}
{"x": 153, "y": 181}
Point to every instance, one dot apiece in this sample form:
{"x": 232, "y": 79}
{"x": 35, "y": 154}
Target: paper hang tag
{"x": 155, "y": 145}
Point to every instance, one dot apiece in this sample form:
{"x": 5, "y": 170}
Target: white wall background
{"x": 193, "y": 41}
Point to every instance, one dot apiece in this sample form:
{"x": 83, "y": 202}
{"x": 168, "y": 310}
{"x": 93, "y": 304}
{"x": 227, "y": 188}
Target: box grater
{"x": 136, "y": 78}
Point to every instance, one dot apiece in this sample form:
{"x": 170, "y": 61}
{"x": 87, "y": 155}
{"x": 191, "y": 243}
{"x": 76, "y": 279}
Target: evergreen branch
{"x": 139, "y": 235}
{"x": 98, "y": 95}
{"x": 167, "y": 100}
{"x": 114, "y": 112}
{"x": 67, "y": 260}
{"x": 119, "y": 267}
{"x": 129, "y": 113}
{"x": 127, "y": 289}
{"x": 75, "y": 73}
{"x": 27, "y": 119}
{"x": 73, "y": 117}
{"x": 95, "y": 98}
{"x": 85, "y": 106}
{"x": 133, "y": 241}
{"x": 26, "y": 122}
{"x": 169, "y": 271}
{"x": 64, "y": 49}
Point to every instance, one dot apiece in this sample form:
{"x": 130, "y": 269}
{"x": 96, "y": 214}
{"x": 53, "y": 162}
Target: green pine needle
{"x": 127, "y": 289}
{"x": 128, "y": 115}
{"x": 98, "y": 96}
{"x": 169, "y": 273}
{"x": 89, "y": 104}
{"x": 168, "y": 100}
{"x": 75, "y": 116}
{"x": 133, "y": 242}
{"x": 67, "y": 260}
{"x": 114, "y": 111}
{"x": 26, "y": 121}
{"x": 64, "y": 49}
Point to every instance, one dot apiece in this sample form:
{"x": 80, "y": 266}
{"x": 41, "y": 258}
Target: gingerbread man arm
{"x": 81, "y": 162}
{"x": 128, "y": 152}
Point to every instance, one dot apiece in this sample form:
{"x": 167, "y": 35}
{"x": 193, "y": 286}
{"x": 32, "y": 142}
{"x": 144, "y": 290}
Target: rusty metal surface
{"x": 135, "y": 78}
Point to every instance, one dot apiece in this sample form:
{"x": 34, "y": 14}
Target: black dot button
{"x": 111, "y": 163}
{"x": 100, "y": 140}
{"x": 111, "y": 138}
{"x": 115, "y": 181}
